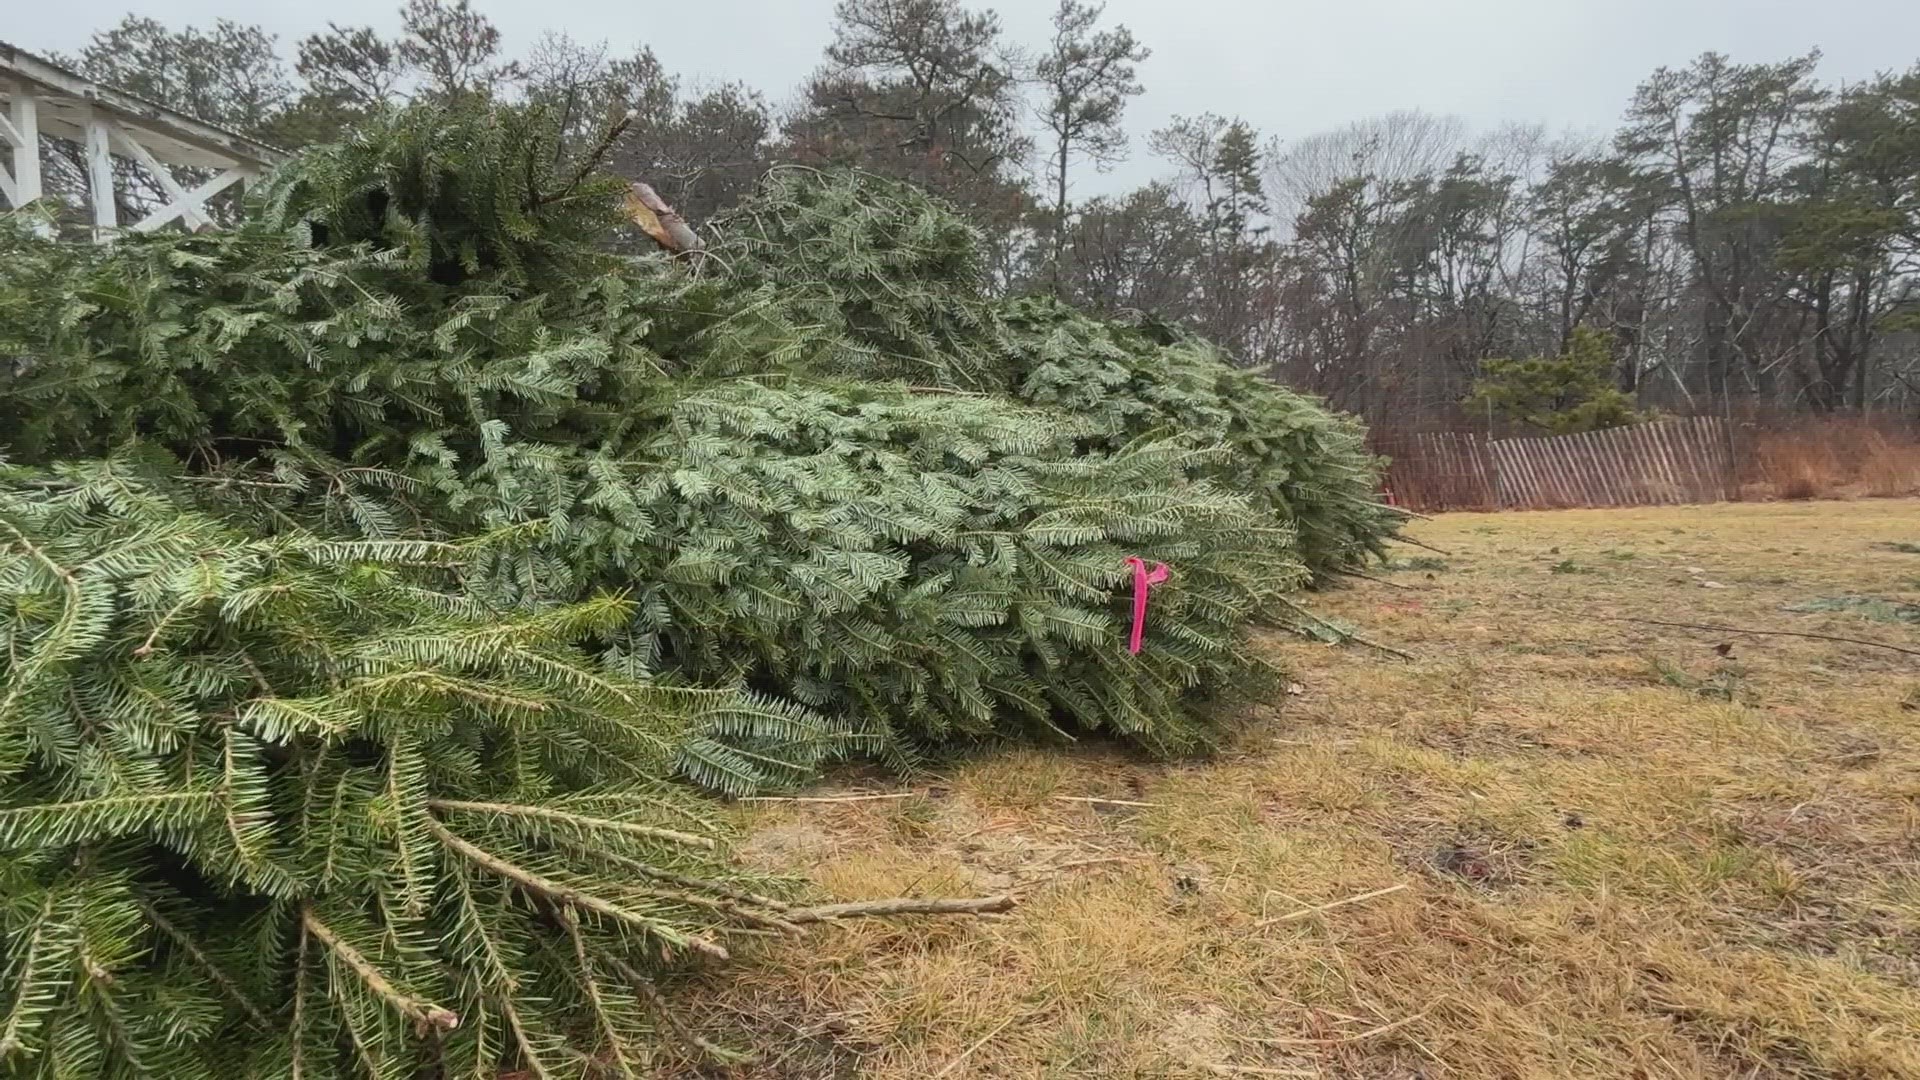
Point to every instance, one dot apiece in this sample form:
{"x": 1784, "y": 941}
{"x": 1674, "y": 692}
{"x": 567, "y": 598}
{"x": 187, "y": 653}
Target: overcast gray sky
{"x": 1289, "y": 67}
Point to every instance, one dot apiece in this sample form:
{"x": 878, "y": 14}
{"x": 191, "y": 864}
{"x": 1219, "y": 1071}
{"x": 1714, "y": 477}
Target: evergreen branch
{"x": 496, "y": 979}
{"x": 405, "y": 790}
{"x": 249, "y": 827}
{"x": 31, "y": 969}
{"x": 582, "y": 822}
{"x": 730, "y": 906}
{"x": 145, "y": 648}
{"x": 69, "y": 617}
{"x": 52, "y": 825}
{"x": 439, "y": 682}
{"x": 297, "y": 1023}
{"x": 561, "y": 895}
{"x": 650, "y": 994}
{"x": 596, "y": 1004}
{"x": 191, "y": 949}
{"x": 718, "y": 888}
{"x": 425, "y": 1015}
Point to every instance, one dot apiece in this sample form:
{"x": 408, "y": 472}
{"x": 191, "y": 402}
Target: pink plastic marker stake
{"x": 1143, "y": 582}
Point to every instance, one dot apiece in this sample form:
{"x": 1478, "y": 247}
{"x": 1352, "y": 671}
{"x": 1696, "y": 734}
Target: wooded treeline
{"x": 1748, "y": 237}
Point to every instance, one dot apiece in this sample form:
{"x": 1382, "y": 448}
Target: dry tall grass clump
{"x": 1840, "y": 457}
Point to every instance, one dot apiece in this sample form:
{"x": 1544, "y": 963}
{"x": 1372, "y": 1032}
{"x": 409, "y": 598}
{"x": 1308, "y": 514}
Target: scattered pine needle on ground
{"x": 1551, "y": 846}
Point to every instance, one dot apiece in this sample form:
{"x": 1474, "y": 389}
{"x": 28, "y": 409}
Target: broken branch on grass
{"x": 1420, "y": 544}
{"x": 1762, "y": 633}
{"x": 1370, "y": 1033}
{"x": 1375, "y": 580}
{"x": 1345, "y": 635}
{"x": 1103, "y": 802}
{"x": 830, "y": 798}
{"x": 1303, "y": 913}
{"x": 862, "y": 909}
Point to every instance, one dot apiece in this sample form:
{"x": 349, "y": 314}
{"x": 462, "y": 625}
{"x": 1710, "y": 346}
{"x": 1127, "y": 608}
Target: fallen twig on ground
{"x": 899, "y": 906}
{"x": 1106, "y": 802}
{"x": 1421, "y": 544}
{"x": 1346, "y": 635}
{"x": 1762, "y": 633}
{"x": 830, "y": 798}
{"x": 1402, "y": 510}
{"x": 1375, "y": 580}
{"x": 1370, "y": 1033}
{"x": 1034, "y": 875}
{"x": 977, "y": 1044}
{"x": 1318, "y": 908}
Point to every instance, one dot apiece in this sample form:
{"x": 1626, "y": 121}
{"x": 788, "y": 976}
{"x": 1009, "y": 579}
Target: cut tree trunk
{"x": 648, "y": 210}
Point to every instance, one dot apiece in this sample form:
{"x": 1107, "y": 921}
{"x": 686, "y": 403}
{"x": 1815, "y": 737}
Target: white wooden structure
{"x": 40, "y": 98}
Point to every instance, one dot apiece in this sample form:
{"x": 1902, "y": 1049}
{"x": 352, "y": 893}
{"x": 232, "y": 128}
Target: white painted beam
{"x": 193, "y": 200}
{"x": 20, "y": 128}
{"x": 178, "y": 202}
{"x": 100, "y": 177}
{"x": 216, "y": 145}
{"x": 26, "y": 155}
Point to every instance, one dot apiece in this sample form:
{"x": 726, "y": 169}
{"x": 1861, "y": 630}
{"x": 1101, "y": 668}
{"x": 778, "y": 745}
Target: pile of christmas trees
{"x": 380, "y": 577}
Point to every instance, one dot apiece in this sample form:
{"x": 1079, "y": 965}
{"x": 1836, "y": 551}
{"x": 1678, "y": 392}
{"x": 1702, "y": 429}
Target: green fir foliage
{"x": 1306, "y": 468}
{"x": 368, "y": 570}
{"x": 897, "y": 277}
{"x": 291, "y": 806}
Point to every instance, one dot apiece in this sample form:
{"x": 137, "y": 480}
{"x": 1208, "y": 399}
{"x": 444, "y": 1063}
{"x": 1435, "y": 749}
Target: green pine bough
{"x": 949, "y": 565}
{"x": 1298, "y": 463}
{"x": 414, "y": 543}
{"x": 305, "y": 800}
{"x": 900, "y": 279}
{"x": 296, "y": 806}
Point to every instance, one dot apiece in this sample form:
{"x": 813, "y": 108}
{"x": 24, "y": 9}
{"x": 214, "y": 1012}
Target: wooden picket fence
{"x": 1686, "y": 460}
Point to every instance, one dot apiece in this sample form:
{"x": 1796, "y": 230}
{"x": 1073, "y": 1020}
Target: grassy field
{"x": 1551, "y": 845}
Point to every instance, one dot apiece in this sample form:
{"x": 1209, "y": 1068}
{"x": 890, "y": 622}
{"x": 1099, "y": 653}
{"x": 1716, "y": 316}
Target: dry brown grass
{"x": 1824, "y": 459}
{"x": 1624, "y": 855}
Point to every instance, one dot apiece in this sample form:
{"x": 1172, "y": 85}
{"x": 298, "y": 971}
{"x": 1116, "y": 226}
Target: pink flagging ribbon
{"x": 1143, "y": 582}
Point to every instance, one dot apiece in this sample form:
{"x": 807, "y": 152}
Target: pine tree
{"x": 1570, "y": 392}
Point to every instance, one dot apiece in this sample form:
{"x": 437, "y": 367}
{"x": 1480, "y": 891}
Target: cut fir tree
{"x": 297, "y": 807}
{"x": 415, "y": 541}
